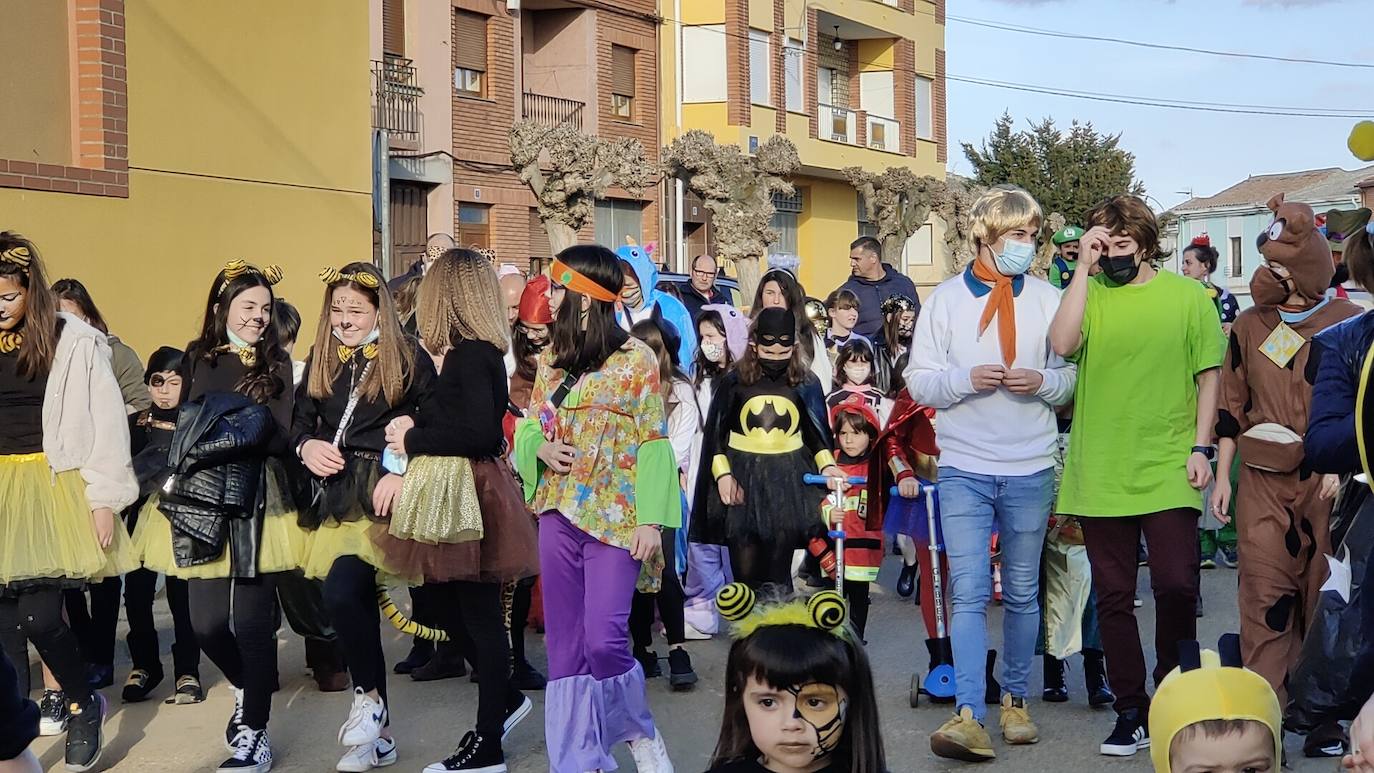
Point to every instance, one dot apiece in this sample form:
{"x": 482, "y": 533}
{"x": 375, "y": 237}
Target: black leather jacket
{"x": 215, "y": 494}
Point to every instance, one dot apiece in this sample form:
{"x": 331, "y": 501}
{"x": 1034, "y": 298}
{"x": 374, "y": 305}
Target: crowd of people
{"x": 601, "y": 451}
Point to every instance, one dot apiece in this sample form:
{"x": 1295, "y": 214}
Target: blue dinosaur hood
{"x": 644, "y": 269}
{"x": 668, "y": 308}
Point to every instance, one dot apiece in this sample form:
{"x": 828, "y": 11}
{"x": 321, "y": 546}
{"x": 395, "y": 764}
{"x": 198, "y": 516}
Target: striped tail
{"x": 404, "y": 624}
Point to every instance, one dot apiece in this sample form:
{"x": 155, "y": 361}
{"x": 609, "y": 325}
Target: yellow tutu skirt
{"x": 438, "y": 503}
{"x": 281, "y": 548}
{"x": 46, "y": 531}
{"x": 350, "y": 538}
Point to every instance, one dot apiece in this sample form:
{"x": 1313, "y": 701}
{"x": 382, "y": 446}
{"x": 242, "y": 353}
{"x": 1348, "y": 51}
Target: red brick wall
{"x": 738, "y": 110}
{"x": 101, "y": 159}
{"x": 809, "y": 71}
{"x": 938, "y": 97}
{"x": 779, "y": 39}
{"x": 904, "y": 82}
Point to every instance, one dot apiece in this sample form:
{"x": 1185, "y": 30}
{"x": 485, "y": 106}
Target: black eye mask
{"x": 775, "y": 327}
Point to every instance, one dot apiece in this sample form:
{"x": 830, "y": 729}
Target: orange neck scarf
{"x": 1001, "y": 304}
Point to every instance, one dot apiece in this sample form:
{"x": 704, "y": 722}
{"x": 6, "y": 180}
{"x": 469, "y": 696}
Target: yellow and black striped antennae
{"x": 405, "y": 625}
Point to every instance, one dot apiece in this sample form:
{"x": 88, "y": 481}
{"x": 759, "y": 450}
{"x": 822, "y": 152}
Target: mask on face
{"x": 712, "y": 352}
{"x": 1267, "y": 288}
{"x": 1120, "y": 269}
{"x": 774, "y": 369}
{"x": 1015, "y": 257}
{"x": 858, "y": 373}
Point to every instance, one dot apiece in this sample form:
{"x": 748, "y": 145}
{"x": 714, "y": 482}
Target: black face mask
{"x": 774, "y": 369}
{"x": 1120, "y": 269}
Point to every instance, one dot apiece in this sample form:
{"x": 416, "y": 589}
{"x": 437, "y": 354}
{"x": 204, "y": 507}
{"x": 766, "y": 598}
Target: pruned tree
{"x": 898, "y": 201}
{"x": 568, "y": 171}
{"x": 953, "y": 203}
{"x": 737, "y": 190}
{"x": 1053, "y": 222}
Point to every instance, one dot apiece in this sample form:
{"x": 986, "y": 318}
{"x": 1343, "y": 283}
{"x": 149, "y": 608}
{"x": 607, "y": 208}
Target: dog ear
{"x": 1276, "y": 202}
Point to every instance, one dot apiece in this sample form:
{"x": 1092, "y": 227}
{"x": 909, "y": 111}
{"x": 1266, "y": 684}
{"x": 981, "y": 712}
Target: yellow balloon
{"x": 1361, "y": 140}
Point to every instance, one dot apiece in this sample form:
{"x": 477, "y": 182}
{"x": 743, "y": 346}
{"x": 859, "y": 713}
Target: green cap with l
{"x": 1069, "y": 233}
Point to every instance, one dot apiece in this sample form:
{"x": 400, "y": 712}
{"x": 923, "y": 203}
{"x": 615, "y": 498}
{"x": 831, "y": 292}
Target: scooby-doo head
{"x": 1293, "y": 242}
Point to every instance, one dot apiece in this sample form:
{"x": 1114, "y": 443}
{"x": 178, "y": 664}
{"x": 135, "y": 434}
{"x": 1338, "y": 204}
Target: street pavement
{"x": 430, "y": 718}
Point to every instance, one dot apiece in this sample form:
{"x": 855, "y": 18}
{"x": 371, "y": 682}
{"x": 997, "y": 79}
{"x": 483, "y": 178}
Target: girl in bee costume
{"x": 766, "y": 429}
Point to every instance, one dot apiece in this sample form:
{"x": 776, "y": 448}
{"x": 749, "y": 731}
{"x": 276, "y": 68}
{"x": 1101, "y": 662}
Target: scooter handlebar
{"x": 822, "y": 480}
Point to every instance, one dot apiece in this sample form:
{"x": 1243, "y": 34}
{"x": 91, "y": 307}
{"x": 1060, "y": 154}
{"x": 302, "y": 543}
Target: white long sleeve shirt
{"x": 996, "y": 432}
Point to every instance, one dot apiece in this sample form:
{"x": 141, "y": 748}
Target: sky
{"x": 1176, "y": 150}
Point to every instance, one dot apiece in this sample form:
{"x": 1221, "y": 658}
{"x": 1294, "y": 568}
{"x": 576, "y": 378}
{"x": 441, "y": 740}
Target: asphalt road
{"x": 429, "y": 718}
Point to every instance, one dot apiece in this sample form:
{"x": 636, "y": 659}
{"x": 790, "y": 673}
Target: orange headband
{"x": 578, "y": 282}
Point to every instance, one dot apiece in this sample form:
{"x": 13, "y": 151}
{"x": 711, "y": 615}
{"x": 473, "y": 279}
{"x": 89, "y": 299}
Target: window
{"x": 925, "y": 109}
{"x": 865, "y": 227}
{"x": 394, "y": 27}
{"x": 760, "y": 65}
{"x": 618, "y": 219}
{"x": 793, "y": 56}
{"x": 785, "y": 218}
{"x": 473, "y": 225}
{"x": 622, "y": 82}
{"x": 703, "y": 64}
{"x": 825, "y": 88}
{"x": 469, "y": 53}
{"x": 1233, "y": 258}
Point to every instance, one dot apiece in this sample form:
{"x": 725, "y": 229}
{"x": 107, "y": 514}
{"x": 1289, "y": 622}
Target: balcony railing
{"x": 552, "y": 111}
{"x": 836, "y": 123}
{"x": 396, "y": 97}
{"x": 884, "y": 133}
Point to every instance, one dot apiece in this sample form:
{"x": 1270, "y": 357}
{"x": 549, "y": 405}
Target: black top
{"x": 21, "y": 408}
{"x": 223, "y": 375}
{"x": 151, "y": 427}
{"x": 754, "y": 766}
{"x": 462, "y": 415}
{"x": 770, "y": 413}
{"x": 366, "y": 431}
{"x": 694, "y": 300}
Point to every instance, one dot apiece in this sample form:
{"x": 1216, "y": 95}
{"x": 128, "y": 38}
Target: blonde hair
{"x": 1000, "y": 209}
{"x": 460, "y": 299}
{"x": 395, "y": 363}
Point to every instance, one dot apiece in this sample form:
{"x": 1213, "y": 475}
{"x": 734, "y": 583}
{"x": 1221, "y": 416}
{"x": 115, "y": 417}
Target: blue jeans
{"x": 1020, "y": 506}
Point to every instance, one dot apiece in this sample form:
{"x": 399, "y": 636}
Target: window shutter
{"x": 394, "y": 27}
{"x": 470, "y": 41}
{"x": 623, "y": 71}
{"x": 539, "y": 237}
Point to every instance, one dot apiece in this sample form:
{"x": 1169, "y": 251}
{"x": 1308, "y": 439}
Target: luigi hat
{"x": 1207, "y": 685}
{"x": 1069, "y": 233}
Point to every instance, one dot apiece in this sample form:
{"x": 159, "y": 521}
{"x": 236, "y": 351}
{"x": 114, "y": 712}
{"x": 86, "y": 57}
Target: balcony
{"x": 552, "y": 111}
{"x": 884, "y": 134}
{"x": 836, "y": 123}
{"x": 396, "y": 98}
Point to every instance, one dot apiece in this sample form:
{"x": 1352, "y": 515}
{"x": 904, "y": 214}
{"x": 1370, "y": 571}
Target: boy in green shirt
{"x": 1148, "y": 346}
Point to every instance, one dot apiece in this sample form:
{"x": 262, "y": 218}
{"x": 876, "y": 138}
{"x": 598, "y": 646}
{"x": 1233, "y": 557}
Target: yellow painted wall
{"x": 877, "y": 55}
{"x": 35, "y": 82}
{"x": 826, "y": 227}
{"x": 761, "y": 15}
{"x": 697, "y": 11}
{"x": 248, "y": 137}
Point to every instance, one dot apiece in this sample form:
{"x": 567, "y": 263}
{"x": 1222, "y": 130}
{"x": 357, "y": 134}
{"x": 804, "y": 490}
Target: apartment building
{"x": 850, "y": 82}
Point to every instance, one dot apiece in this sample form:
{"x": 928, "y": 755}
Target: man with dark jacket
{"x": 701, "y": 287}
{"x": 873, "y": 281}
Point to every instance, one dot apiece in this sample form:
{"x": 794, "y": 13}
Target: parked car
{"x": 678, "y": 284}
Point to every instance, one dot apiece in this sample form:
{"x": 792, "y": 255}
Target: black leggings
{"x": 473, "y": 610}
{"x": 140, "y": 586}
{"x": 36, "y": 616}
{"x": 756, "y": 563}
{"x": 350, "y": 598}
{"x": 669, "y": 599}
{"x": 856, "y": 595}
{"x": 95, "y": 629}
{"x": 519, "y": 618}
{"x": 247, "y": 652}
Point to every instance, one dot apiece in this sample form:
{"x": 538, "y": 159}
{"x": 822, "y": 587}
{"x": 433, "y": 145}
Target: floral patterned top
{"x": 625, "y": 474}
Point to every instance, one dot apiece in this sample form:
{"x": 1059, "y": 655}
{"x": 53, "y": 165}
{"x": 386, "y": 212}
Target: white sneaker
{"x": 360, "y": 759}
{"x": 692, "y": 633}
{"x": 365, "y": 720}
{"x": 650, "y": 755}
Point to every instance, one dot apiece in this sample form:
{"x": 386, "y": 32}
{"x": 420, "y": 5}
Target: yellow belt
{"x": 784, "y": 445}
{"x": 36, "y": 456}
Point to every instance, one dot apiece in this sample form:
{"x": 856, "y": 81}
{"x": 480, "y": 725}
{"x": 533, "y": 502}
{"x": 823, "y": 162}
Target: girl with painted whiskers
{"x": 362, "y": 372}
{"x": 64, "y": 473}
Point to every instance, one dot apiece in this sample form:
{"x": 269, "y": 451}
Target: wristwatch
{"x": 1207, "y": 451}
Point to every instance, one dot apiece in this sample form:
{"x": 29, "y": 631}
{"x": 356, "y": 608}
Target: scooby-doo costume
{"x": 1266, "y": 388}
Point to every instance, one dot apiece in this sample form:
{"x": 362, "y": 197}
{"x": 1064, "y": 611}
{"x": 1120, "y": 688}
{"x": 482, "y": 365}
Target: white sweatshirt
{"x": 997, "y": 432}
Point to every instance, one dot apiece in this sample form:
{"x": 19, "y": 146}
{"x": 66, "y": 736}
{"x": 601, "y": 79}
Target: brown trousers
{"x": 1283, "y": 535}
{"x": 1171, "y": 538}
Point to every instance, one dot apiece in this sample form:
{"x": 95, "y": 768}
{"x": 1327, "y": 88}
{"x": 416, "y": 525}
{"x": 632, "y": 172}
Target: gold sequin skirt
{"x": 46, "y": 531}
{"x": 439, "y": 503}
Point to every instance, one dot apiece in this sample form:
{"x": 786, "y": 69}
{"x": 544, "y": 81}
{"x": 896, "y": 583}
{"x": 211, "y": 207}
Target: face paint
{"x": 824, "y": 708}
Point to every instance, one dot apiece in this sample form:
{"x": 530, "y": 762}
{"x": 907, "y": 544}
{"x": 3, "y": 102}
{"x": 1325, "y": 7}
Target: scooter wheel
{"x": 914, "y": 697}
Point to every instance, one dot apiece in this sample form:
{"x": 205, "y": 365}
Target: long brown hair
{"x": 72, "y": 290}
{"x": 395, "y": 362}
{"x": 460, "y": 299}
{"x": 650, "y": 333}
{"x": 579, "y": 348}
{"x": 262, "y": 382}
{"x": 40, "y": 307}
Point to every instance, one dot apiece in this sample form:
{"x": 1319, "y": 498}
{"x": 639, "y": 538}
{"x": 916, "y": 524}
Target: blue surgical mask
{"x": 1015, "y": 258}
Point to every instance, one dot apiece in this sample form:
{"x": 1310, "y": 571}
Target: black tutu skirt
{"x": 778, "y": 507}
{"x": 340, "y": 498}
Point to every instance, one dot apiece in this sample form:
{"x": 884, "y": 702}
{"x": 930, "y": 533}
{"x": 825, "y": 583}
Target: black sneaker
{"x": 1130, "y": 736}
{"x": 680, "y": 674}
{"x": 420, "y": 653}
{"x": 475, "y": 754}
{"x": 524, "y": 676}
{"x": 648, "y": 660}
{"x": 1229, "y": 557}
{"x": 85, "y": 733}
{"x": 515, "y": 714}
{"x": 1326, "y": 740}
{"x": 906, "y": 581}
{"x": 140, "y": 684}
{"x": 188, "y": 690}
{"x": 447, "y": 663}
{"x": 231, "y": 730}
{"x": 100, "y": 677}
{"x": 252, "y": 753}
{"x": 52, "y": 713}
